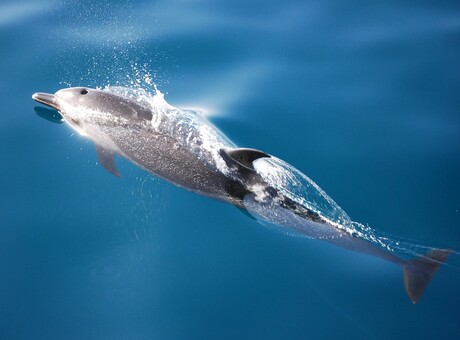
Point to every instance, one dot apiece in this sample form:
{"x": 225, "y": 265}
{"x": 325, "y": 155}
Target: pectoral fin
{"x": 107, "y": 160}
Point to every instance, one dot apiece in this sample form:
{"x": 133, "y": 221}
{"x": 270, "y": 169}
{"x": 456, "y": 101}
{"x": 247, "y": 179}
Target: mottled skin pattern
{"x": 121, "y": 125}
{"x": 185, "y": 149}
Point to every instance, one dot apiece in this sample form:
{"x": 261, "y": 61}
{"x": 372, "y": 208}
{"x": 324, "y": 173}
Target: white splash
{"x": 301, "y": 189}
{"x": 190, "y": 129}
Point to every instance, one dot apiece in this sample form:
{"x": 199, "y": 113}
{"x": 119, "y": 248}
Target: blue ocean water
{"x": 362, "y": 97}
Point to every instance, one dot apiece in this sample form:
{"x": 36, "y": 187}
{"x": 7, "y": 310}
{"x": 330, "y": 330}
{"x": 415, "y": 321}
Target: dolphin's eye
{"x": 84, "y": 91}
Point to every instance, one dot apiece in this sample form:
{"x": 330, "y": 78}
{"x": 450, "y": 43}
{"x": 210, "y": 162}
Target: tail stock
{"x": 419, "y": 272}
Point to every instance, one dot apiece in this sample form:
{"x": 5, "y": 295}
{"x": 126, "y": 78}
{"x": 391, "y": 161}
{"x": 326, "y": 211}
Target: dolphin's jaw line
{"x": 46, "y": 99}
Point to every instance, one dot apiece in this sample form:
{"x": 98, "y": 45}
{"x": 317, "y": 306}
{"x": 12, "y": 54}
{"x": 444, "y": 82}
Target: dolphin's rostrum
{"x": 184, "y": 148}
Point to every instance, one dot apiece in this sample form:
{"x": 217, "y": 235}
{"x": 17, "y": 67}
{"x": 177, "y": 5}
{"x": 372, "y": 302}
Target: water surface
{"x": 363, "y": 98}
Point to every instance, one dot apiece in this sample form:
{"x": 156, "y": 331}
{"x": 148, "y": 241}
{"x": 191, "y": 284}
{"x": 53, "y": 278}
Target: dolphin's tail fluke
{"x": 419, "y": 272}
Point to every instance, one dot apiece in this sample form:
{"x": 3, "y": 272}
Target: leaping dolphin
{"x": 182, "y": 147}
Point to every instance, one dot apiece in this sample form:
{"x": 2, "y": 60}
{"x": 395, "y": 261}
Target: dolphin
{"x": 184, "y": 148}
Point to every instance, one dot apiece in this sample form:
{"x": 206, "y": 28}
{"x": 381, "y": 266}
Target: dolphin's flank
{"x": 182, "y": 147}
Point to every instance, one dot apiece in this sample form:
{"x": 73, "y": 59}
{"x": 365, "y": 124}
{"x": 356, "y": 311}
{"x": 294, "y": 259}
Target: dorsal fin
{"x": 107, "y": 160}
{"x": 242, "y": 158}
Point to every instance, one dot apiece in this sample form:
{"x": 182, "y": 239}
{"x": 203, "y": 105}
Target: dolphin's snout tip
{"x": 39, "y": 96}
{"x": 46, "y": 99}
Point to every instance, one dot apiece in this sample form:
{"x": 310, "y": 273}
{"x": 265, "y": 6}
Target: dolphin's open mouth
{"x": 46, "y": 98}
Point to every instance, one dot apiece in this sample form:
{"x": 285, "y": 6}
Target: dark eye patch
{"x": 84, "y": 91}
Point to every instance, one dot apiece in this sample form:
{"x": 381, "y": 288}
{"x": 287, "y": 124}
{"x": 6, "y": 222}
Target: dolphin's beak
{"x": 46, "y": 98}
